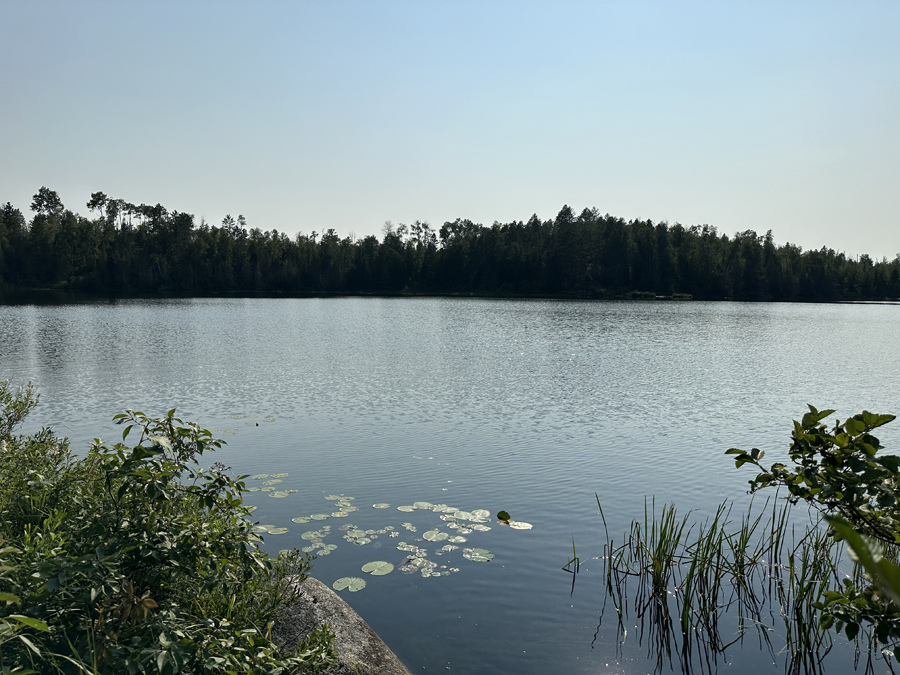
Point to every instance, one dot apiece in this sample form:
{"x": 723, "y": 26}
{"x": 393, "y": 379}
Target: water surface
{"x": 527, "y": 406}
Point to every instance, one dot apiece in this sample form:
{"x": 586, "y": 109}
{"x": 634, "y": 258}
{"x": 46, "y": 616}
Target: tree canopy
{"x": 131, "y": 249}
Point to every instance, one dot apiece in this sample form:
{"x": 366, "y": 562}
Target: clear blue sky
{"x": 306, "y": 116}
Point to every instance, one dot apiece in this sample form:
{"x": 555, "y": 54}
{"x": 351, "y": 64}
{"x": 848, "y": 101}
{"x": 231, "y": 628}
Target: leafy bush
{"x": 840, "y": 473}
{"x": 135, "y": 559}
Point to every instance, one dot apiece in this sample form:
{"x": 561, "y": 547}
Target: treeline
{"x": 129, "y": 249}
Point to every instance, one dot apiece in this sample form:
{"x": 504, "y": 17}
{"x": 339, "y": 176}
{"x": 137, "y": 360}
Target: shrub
{"x": 135, "y": 559}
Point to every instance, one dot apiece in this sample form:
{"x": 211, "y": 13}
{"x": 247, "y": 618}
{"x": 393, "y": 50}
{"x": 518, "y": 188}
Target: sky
{"x": 304, "y": 116}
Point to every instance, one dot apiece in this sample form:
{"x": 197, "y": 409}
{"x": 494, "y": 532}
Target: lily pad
{"x": 332, "y": 498}
{"x": 280, "y": 475}
{"x": 435, "y": 535}
{"x": 351, "y": 584}
{"x": 278, "y": 530}
{"x": 481, "y": 513}
{"x": 362, "y": 541}
{"x": 251, "y": 489}
{"x": 480, "y": 528}
{"x": 464, "y": 515}
{"x": 259, "y": 529}
{"x": 259, "y": 476}
{"x": 478, "y": 554}
{"x": 519, "y": 525}
{"x": 273, "y": 481}
{"x": 423, "y": 505}
{"x": 268, "y": 488}
{"x": 339, "y": 514}
{"x": 301, "y": 519}
{"x": 457, "y": 540}
{"x": 281, "y": 494}
{"x": 381, "y": 506}
{"x": 378, "y": 568}
{"x": 406, "y": 509}
{"x": 312, "y": 534}
{"x": 319, "y": 516}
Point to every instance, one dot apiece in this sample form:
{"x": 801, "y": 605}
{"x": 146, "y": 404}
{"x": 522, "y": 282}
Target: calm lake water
{"x": 527, "y": 406}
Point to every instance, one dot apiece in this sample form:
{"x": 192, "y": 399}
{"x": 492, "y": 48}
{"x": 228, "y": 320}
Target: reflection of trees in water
{"x": 697, "y": 590}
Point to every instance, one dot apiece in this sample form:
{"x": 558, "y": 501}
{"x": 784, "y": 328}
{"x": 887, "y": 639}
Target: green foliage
{"x": 142, "y": 248}
{"x": 134, "y": 559}
{"x": 839, "y": 472}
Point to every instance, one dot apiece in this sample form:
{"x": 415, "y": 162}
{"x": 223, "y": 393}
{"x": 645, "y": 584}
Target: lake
{"x": 528, "y": 406}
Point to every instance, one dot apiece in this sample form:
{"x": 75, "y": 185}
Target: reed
{"x": 697, "y": 588}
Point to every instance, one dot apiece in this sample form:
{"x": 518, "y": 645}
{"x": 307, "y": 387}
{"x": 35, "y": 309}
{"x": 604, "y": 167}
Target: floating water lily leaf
{"x": 301, "y": 519}
{"x": 435, "y": 535}
{"x": 280, "y": 475}
{"x": 378, "y": 568}
{"x": 478, "y": 554}
{"x": 503, "y": 516}
{"x": 423, "y": 505}
{"x": 271, "y": 418}
{"x": 480, "y": 528}
{"x": 352, "y": 584}
{"x": 274, "y": 481}
{"x": 457, "y": 540}
{"x": 448, "y": 517}
{"x": 278, "y": 530}
{"x": 279, "y": 494}
{"x": 332, "y": 498}
{"x": 319, "y": 516}
{"x": 449, "y": 547}
{"x": 259, "y": 476}
{"x": 251, "y": 489}
{"x": 406, "y": 509}
{"x": 312, "y": 534}
{"x": 356, "y": 533}
{"x": 464, "y": 515}
{"x": 519, "y": 525}
{"x": 381, "y": 506}
{"x": 362, "y": 541}
{"x": 347, "y": 508}
{"x": 259, "y": 529}
{"x": 339, "y": 514}
{"x": 481, "y": 513}
{"x": 403, "y": 546}
{"x": 268, "y": 489}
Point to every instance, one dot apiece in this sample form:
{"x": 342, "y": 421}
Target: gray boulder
{"x": 360, "y": 650}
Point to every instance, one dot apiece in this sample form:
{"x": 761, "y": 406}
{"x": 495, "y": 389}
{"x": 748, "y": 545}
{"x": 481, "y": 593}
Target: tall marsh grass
{"x": 694, "y": 588}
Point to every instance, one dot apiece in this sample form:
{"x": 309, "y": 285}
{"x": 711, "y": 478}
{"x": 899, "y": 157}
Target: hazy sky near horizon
{"x": 313, "y": 115}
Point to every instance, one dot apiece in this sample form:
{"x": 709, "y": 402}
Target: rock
{"x": 360, "y": 650}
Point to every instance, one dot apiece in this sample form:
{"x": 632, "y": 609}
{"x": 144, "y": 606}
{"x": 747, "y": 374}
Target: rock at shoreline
{"x": 360, "y": 650}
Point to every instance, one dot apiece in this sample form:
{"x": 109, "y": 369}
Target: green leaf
{"x": 503, "y": 516}
{"x": 30, "y": 622}
{"x": 9, "y": 598}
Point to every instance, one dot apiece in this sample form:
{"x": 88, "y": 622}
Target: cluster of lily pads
{"x": 460, "y": 523}
{"x": 270, "y": 481}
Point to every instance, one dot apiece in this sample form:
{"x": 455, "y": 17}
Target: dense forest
{"x": 128, "y": 249}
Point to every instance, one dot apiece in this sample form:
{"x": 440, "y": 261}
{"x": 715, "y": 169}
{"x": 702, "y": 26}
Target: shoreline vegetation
{"x": 128, "y": 250}
{"x": 696, "y": 588}
{"x": 134, "y": 559}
